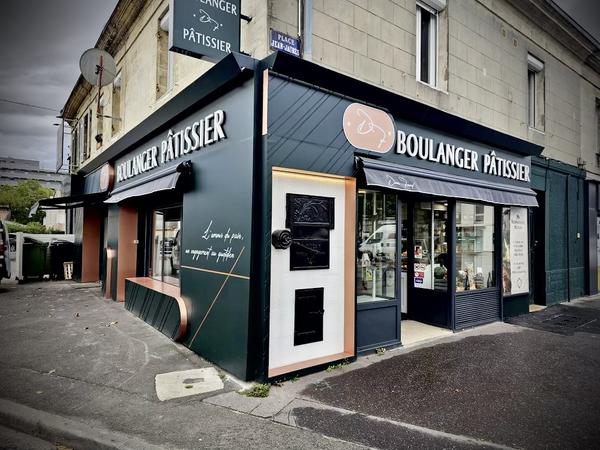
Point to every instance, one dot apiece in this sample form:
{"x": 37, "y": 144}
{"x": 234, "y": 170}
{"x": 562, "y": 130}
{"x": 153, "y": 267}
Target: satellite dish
{"x": 97, "y": 67}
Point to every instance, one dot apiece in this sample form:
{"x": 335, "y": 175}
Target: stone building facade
{"x": 516, "y": 80}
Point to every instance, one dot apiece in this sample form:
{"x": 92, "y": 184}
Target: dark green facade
{"x": 560, "y": 224}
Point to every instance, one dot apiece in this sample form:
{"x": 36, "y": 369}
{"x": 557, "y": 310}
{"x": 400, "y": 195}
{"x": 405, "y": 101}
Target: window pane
{"x": 531, "y": 97}
{"x": 421, "y": 250}
{"x": 376, "y": 254}
{"x": 440, "y": 246}
{"x": 424, "y": 56}
{"x": 166, "y": 247}
{"x": 474, "y": 247}
{"x": 157, "y": 244}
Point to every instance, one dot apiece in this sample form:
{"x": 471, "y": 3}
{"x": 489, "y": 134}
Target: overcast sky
{"x": 39, "y": 55}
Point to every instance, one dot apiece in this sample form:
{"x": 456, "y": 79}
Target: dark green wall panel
{"x": 216, "y": 239}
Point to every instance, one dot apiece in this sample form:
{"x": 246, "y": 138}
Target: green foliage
{"x": 31, "y": 227}
{"x": 257, "y": 390}
{"x": 21, "y": 198}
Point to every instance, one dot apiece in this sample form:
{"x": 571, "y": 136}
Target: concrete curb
{"x": 66, "y": 431}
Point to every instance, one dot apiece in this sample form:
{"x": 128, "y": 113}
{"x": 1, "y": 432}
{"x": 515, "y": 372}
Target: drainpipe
{"x": 305, "y": 27}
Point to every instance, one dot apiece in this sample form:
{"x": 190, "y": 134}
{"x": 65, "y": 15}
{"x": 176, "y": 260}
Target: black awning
{"x": 164, "y": 180}
{"x": 413, "y": 179}
{"x": 68, "y": 202}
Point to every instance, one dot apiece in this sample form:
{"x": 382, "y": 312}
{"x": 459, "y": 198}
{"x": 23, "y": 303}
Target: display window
{"x": 376, "y": 252}
{"x": 474, "y": 246}
{"x": 430, "y": 246}
{"x": 166, "y": 244}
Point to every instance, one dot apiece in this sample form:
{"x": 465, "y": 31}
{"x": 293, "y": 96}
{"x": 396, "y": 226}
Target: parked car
{"x": 4, "y": 251}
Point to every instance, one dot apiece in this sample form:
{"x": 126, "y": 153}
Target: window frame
{"x": 433, "y": 49}
{"x": 150, "y": 266}
{"x": 535, "y": 100}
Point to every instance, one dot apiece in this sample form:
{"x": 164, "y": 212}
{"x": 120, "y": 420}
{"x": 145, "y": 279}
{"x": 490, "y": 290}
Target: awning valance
{"x": 68, "y": 202}
{"x": 163, "y": 180}
{"x": 413, "y": 179}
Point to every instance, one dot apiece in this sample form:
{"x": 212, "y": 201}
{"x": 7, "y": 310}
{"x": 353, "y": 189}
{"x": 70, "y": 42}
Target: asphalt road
{"x": 535, "y": 388}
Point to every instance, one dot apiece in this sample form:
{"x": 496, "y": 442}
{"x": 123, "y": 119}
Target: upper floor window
{"x": 164, "y": 62}
{"x": 74, "y": 162}
{"x": 86, "y": 135}
{"x": 115, "y": 114}
{"x": 598, "y": 132}
{"x": 426, "y": 44}
{"x": 535, "y": 93}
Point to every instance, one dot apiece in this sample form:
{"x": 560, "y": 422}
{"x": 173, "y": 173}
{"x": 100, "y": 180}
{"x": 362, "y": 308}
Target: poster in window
{"x": 515, "y": 276}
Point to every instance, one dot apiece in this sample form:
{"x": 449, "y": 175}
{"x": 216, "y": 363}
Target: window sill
{"x": 536, "y": 130}
{"x": 432, "y": 87}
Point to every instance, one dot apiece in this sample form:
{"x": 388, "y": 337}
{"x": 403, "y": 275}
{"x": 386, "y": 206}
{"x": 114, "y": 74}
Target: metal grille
{"x": 477, "y": 307}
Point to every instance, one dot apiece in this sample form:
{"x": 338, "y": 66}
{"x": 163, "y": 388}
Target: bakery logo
{"x": 368, "y": 128}
{"x": 107, "y": 175}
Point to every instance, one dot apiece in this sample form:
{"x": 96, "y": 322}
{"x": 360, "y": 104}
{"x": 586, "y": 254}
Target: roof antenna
{"x": 99, "y": 69}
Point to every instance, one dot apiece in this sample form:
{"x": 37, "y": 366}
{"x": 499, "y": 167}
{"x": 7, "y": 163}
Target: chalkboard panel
{"x": 308, "y": 316}
{"x": 309, "y": 210}
{"x": 311, "y": 251}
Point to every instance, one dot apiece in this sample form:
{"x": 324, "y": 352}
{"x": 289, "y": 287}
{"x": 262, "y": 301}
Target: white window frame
{"x": 164, "y": 25}
{"x": 433, "y": 45}
{"x": 534, "y": 67}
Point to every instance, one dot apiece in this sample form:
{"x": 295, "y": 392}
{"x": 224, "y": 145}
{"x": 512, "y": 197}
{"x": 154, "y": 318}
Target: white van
{"x": 381, "y": 244}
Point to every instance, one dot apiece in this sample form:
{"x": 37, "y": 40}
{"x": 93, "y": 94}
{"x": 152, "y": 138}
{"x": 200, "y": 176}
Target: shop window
{"x": 515, "y": 251}
{"x": 376, "y": 252}
{"x": 166, "y": 245}
{"x": 426, "y": 31}
{"x": 474, "y": 247}
{"x": 430, "y": 246}
{"x": 535, "y": 92}
{"x": 164, "y": 63}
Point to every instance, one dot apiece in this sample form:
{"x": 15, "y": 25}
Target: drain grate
{"x": 563, "y": 320}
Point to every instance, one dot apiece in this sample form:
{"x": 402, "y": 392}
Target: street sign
{"x": 205, "y": 28}
{"x": 285, "y": 43}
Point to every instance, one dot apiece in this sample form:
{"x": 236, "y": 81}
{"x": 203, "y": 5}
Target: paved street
{"x": 91, "y": 364}
{"x": 537, "y": 387}
{"x": 79, "y": 370}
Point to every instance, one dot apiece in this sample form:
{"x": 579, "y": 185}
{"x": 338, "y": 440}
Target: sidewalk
{"x": 79, "y": 370}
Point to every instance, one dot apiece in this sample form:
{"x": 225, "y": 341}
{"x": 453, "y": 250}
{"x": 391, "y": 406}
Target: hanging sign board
{"x": 285, "y": 43}
{"x": 204, "y": 28}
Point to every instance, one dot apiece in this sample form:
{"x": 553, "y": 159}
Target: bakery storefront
{"x": 277, "y": 216}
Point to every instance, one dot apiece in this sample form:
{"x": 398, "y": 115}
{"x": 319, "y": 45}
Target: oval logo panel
{"x": 106, "y": 177}
{"x": 368, "y": 128}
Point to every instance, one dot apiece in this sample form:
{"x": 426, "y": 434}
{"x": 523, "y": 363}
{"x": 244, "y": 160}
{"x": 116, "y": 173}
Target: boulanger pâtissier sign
{"x": 177, "y": 143}
{"x": 373, "y": 130}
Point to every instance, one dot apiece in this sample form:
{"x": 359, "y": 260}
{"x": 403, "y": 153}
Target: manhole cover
{"x": 566, "y": 321}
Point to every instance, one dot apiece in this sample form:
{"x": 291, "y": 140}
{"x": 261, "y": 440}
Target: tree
{"x": 20, "y": 199}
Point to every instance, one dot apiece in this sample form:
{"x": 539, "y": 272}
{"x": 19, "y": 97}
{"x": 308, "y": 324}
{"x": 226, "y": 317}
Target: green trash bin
{"x": 34, "y": 258}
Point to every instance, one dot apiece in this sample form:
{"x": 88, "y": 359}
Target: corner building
{"x": 421, "y": 164}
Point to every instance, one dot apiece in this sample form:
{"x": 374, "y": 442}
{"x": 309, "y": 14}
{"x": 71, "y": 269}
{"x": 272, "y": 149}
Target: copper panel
{"x": 90, "y": 245}
{"x": 127, "y": 248}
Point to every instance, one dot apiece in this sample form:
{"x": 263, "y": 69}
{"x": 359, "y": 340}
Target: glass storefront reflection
{"x": 376, "y": 252}
{"x": 166, "y": 245}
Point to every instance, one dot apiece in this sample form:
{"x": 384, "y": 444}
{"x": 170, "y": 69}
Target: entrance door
{"x": 378, "y": 302}
{"x": 312, "y": 270}
{"x": 537, "y": 256}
